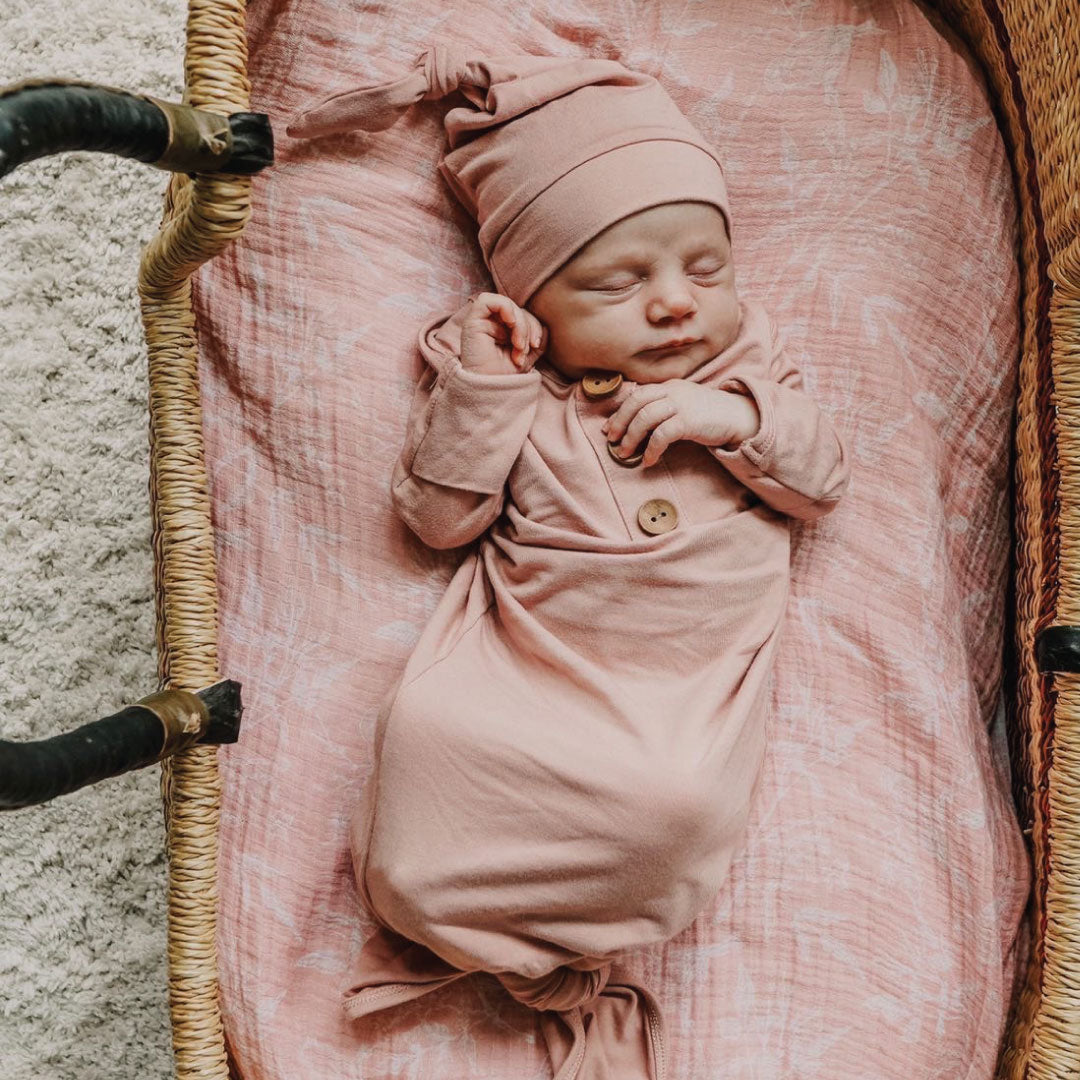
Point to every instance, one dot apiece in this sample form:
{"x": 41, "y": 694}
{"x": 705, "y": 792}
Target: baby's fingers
{"x": 537, "y": 330}
{"x": 521, "y": 339}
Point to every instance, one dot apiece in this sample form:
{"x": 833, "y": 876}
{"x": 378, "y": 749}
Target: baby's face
{"x": 660, "y": 275}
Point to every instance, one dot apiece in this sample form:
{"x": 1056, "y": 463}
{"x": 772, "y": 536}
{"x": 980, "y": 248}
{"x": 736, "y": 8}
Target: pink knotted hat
{"x": 554, "y": 151}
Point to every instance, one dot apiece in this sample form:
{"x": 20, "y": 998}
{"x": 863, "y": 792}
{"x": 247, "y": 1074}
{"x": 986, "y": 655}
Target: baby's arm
{"x": 464, "y": 433}
{"x": 796, "y": 461}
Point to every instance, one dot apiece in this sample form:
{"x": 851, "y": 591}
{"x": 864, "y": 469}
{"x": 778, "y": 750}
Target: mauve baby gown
{"x": 563, "y": 772}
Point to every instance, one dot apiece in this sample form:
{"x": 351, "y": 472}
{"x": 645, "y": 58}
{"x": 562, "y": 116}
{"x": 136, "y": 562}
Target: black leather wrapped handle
{"x": 39, "y": 117}
{"x": 151, "y": 729}
{"x": 1057, "y": 648}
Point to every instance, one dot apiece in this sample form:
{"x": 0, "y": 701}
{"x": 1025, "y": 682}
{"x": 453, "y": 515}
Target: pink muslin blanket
{"x": 564, "y": 770}
{"x": 869, "y": 925}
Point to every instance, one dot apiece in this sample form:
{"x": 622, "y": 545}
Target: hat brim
{"x": 594, "y": 195}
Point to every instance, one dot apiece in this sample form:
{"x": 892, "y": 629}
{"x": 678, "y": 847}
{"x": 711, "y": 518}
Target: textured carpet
{"x": 83, "y": 878}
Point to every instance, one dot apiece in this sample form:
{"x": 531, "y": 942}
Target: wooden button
{"x": 600, "y": 384}
{"x": 631, "y": 459}
{"x": 657, "y": 516}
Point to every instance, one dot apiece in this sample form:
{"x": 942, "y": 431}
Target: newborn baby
{"x": 595, "y": 678}
{"x": 565, "y": 767}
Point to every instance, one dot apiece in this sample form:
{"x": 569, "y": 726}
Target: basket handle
{"x": 39, "y": 117}
{"x": 153, "y": 728}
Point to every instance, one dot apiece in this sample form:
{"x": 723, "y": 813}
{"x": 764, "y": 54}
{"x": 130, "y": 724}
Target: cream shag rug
{"x": 83, "y": 981}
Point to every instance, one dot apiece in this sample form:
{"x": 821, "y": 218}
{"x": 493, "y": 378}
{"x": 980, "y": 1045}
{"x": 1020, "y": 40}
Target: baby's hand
{"x": 500, "y": 338}
{"x": 665, "y": 412}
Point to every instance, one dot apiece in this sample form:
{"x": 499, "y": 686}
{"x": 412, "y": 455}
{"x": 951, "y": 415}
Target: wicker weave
{"x": 201, "y": 217}
{"x": 1030, "y": 53}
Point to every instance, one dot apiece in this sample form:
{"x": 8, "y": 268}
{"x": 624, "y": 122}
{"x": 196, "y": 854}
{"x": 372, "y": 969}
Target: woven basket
{"x": 1030, "y": 53}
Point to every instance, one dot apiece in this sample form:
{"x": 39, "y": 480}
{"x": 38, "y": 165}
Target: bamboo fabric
{"x": 564, "y": 770}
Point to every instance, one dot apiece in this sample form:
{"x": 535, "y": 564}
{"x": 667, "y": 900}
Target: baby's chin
{"x": 644, "y": 369}
{"x": 673, "y": 365}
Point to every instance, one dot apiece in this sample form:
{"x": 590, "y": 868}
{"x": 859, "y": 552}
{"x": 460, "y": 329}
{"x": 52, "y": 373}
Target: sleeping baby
{"x": 565, "y": 767}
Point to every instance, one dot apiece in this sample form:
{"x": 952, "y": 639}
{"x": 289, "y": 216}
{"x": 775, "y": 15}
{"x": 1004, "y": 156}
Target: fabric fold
{"x": 474, "y": 428}
{"x": 594, "y": 1029}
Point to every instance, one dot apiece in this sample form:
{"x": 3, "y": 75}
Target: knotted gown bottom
{"x": 563, "y": 773}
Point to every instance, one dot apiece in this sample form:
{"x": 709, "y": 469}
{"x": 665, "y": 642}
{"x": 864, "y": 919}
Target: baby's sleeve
{"x": 796, "y": 461}
{"x": 464, "y": 433}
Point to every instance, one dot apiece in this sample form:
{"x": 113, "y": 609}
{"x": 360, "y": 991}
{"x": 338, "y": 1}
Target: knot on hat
{"x": 437, "y": 72}
{"x": 561, "y": 989}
